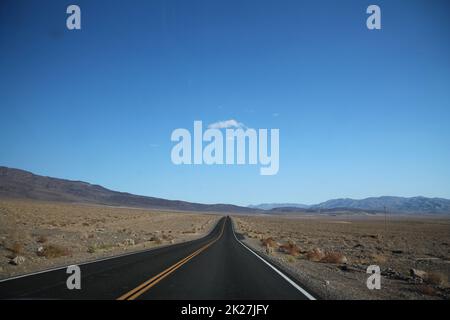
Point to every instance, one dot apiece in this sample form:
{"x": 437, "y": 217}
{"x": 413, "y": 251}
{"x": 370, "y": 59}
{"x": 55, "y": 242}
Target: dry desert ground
{"x": 39, "y": 235}
{"x": 330, "y": 254}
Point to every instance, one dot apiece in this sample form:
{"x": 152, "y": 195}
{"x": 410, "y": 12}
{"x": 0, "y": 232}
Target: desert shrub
{"x": 435, "y": 278}
{"x": 269, "y": 250}
{"x": 334, "y": 257}
{"x": 99, "y": 247}
{"x": 268, "y": 242}
{"x": 379, "y": 258}
{"x": 16, "y": 248}
{"x": 105, "y": 246}
{"x": 427, "y": 290}
{"x": 315, "y": 255}
{"x": 157, "y": 239}
{"x": 42, "y": 239}
{"x": 290, "y": 248}
{"x": 290, "y": 259}
{"x": 53, "y": 251}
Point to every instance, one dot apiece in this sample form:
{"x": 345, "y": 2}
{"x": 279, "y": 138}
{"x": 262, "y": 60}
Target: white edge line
{"x": 296, "y": 286}
{"x": 99, "y": 260}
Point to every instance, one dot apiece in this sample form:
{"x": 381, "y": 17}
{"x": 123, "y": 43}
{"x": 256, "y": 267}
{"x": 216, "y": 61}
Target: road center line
{"x": 139, "y": 290}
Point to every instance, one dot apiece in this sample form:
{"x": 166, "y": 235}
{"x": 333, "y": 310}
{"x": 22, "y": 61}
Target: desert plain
{"x": 327, "y": 254}
{"x": 330, "y": 254}
{"x": 37, "y": 235}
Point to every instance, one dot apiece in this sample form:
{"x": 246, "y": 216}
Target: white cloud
{"x": 227, "y": 124}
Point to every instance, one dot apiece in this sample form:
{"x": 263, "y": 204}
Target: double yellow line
{"x": 139, "y": 290}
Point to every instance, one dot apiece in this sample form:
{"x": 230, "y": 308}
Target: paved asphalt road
{"x": 217, "y": 266}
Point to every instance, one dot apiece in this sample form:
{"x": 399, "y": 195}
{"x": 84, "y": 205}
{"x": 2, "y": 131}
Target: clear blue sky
{"x": 361, "y": 113}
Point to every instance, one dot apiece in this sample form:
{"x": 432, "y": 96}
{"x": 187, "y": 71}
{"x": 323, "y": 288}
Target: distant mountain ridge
{"x": 395, "y": 204}
{"x": 392, "y": 204}
{"x": 16, "y": 183}
{"x": 20, "y": 184}
{"x": 270, "y": 206}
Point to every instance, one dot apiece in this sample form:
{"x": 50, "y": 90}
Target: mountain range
{"x": 373, "y": 204}
{"x": 270, "y": 206}
{"x": 20, "y": 184}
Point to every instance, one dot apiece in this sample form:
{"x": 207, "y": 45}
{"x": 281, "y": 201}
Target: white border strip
{"x": 296, "y": 286}
{"x": 106, "y": 258}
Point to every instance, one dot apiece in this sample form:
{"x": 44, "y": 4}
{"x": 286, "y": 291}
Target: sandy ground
{"x": 396, "y": 247}
{"x": 49, "y": 234}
